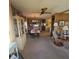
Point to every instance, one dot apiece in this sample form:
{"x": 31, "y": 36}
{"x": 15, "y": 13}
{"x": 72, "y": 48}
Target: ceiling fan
{"x": 43, "y": 11}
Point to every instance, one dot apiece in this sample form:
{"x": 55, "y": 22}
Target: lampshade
{"x": 55, "y": 24}
{"x": 44, "y": 24}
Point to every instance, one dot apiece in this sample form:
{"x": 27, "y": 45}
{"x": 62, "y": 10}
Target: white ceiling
{"x": 54, "y": 6}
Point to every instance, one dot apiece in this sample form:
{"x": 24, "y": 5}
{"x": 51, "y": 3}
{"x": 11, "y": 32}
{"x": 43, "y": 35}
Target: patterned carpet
{"x": 43, "y": 48}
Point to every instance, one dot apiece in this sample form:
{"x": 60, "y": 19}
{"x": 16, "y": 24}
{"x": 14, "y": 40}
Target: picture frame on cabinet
{"x": 61, "y": 23}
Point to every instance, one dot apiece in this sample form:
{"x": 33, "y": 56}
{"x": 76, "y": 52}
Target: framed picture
{"x": 61, "y": 23}
{"x": 13, "y": 51}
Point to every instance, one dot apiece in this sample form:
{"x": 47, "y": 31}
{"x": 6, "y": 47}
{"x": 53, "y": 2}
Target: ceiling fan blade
{"x": 42, "y": 12}
{"x": 47, "y": 12}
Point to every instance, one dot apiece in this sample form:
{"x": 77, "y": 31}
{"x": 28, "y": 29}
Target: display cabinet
{"x": 20, "y": 32}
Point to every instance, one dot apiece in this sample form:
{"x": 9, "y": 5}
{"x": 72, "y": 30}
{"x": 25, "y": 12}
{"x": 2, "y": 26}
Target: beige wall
{"x": 11, "y": 27}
